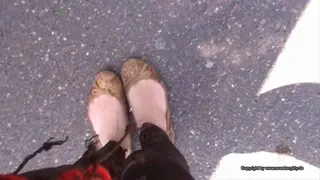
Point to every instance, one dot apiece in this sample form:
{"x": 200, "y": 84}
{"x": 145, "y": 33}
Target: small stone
{"x": 263, "y": 22}
{"x": 192, "y": 132}
{"x": 160, "y": 43}
{"x": 209, "y": 64}
{"x": 283, "y": 149}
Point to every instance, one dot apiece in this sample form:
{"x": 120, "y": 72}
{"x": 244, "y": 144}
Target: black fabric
{"x": 158, "y": 159}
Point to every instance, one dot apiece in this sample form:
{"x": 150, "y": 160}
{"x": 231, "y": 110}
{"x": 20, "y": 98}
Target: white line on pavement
{"x": 300, "y": 61}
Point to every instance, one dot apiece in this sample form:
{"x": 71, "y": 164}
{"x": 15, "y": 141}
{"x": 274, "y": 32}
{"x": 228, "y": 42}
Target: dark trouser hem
{"x": 158, "y": 159}
{"x": 155, "y": 140}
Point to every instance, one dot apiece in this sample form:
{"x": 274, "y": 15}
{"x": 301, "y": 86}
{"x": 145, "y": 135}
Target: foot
{"x": 147, "y": 95}
{"x": 106, "y": 110}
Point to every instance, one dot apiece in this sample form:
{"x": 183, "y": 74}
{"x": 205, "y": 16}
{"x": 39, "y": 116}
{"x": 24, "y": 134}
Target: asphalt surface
{"x": 214, "y": 55}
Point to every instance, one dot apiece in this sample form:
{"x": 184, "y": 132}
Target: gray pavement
{"x": 214, "y": 55}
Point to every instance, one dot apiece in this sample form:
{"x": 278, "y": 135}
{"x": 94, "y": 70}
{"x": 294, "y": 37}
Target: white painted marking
{"x": 229, "y": 167}
{"x": 300, "y": 61}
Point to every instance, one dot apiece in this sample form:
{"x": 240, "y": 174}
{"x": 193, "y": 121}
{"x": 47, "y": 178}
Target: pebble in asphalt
{"x": 213, "y": 55}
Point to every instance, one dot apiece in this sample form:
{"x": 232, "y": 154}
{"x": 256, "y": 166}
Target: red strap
{"x": 100, "y": 174}
{"x": 11, "y": 177}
